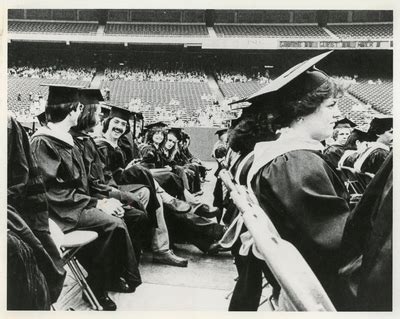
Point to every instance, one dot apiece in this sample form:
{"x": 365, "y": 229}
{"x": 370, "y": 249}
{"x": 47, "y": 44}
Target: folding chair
{"x": 69, "y": 244}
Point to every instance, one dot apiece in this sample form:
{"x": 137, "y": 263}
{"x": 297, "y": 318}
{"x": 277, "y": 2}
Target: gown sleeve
{"x": 149, "y": 157}
{"x": 333, "y": 154}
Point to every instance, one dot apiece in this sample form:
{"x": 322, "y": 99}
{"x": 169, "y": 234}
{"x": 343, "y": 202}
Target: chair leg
{"x": 77, "y": 272}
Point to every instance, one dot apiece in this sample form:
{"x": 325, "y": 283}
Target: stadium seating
{"x": 51, "y": 27}
{"x": 24, "y": 86}
{"x": 364, "y": 31}
{"x": 273, "y": 31}
{"x": 238, "y": 89}
{"x": 148, "y": 30}
{"x": 379, "y": 94}
{"x": 160, "y": 94}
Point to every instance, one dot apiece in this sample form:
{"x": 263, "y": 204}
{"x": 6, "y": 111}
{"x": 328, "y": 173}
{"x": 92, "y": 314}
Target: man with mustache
{"x": 189, "y": 227}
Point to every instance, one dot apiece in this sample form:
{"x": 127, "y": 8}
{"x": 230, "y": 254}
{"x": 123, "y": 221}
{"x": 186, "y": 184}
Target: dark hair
{"x": 292, "y": 107}
{"x": 353, "y": 138}
{"x": 251, "y": 130}
{"x": 58, "y": 112}
{"x": 87, "y": 118}
{"x": 151, "y": 132}
{"x": 106, "y": 124}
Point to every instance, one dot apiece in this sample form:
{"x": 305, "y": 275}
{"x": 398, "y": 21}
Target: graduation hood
{"x": 264, "y": 152}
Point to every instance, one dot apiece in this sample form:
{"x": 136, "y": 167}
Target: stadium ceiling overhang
{"x": 245, "y": 43}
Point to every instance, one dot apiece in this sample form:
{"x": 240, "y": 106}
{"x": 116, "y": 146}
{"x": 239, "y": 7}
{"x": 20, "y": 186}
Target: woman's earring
{"x": 300, "y": 119}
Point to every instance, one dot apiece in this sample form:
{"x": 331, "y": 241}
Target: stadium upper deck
{"x": 210, "y": 29}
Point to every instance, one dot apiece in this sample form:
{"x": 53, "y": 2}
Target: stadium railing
{"x": 302, "y": 288}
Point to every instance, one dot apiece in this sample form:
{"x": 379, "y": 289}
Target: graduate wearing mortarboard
{"x": 72, "y": 207}
{"x": 380, "y": 131}
{"x": 302, "y": 194}
{"x": 341, "y": 132}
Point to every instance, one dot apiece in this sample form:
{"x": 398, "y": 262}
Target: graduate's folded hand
{"x": 111, "y": 206}
{"x": 133, "y": 162}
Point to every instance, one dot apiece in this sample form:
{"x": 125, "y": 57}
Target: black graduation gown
{"x": 130, "y": 179}
{"x": 180, "y": 227}
{"x": 369, "y": 232}
{"x": 26, "y": 285}
{"x": 135, "y": 217}
{"x": 153, "y": 158}
{"x": 374, "y": 161}
{"x": 333, "y": 154}
{"x": 26, "y": 193}
{"x": 30, "y": 269}
{"x": 111, "y": 255}
{"x": 308, "y": 204}
{"x": 351, "y": 159}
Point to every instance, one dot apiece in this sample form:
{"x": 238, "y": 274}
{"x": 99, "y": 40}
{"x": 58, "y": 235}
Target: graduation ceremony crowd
{"x": 325, "y": 183}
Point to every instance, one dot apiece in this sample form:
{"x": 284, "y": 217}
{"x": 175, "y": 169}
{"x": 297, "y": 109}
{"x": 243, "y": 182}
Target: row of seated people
{"x": 277, "y": 154}
{"x": 92, "y": 184}
{"x": 358, "y": 155}
{"x": 232, "y": 77}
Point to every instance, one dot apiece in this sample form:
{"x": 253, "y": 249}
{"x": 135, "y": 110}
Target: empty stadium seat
{"x": 273, "y": 31}
{"x": 51, "y": 27}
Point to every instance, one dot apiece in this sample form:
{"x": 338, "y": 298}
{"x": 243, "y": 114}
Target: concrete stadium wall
{"x": 202, "y": 141}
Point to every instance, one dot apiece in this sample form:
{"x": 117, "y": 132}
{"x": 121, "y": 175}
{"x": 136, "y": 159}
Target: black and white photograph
{"x": 199, "y": 158}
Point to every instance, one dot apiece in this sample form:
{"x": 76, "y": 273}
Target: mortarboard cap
{"x": 90, "y": 96}
{"x": 294, "y": 83}
{"x": 361, "y": 133}
{"x": 221, "y": 132}
{"x": 156, "y": 124}
{"x": 118, "y": 111}
{"x": 344, "y": 122}
{"x": 42, "y": 118}
{"x": 62, "y": 94}
{"x": 380, "y": 125}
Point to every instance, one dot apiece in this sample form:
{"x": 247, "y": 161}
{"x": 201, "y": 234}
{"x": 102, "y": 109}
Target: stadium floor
{"x": 203, "y": 285}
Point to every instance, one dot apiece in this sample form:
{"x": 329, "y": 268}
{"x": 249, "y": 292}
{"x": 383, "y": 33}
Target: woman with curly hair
{"x": 301, "y": 193}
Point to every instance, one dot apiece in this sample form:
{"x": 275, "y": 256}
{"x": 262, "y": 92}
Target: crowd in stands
{"x": 154, "y": 74}
{"x": 53, "y": 72}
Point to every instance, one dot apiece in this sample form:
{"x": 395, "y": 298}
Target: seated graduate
{"x": 355, "y": 145}
{"x": 179, "y": 164}
{"x": 380, "y": 131}
{"x": 341, "y": 133}
{"x": 111, "y": 256}
{"x": 136, "y": 199}
{"x": 302, "y": 194}
{"x": 181, "y": 226}
{"x": 26, "y": 199}
{"x": 154, "y": 158}
{"x": 125, "y": 174}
